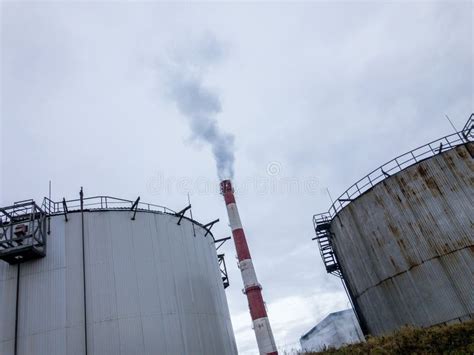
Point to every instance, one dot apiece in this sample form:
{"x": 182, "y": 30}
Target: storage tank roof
{"x": 398, "y": 164}
{"x": 109, "y": 203}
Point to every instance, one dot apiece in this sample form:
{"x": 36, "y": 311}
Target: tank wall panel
{"x": 7, "y": 304}
{"x": 406, "y": 247}
{"x": 151, "y": 287}
{"x": 50, "y": 296}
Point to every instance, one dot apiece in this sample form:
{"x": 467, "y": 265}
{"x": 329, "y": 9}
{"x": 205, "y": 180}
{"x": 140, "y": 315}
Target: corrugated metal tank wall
{"x": 151, "y": 288}
{"x": 406, "y": 247}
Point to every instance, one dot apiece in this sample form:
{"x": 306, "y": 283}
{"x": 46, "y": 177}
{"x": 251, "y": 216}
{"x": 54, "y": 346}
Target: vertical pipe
{"x": 356, "y": 309}
{"x": 81, "y": 194}
{"x": 253, "y": 290}
{"x": 355, "y": 306}
{"x": 191, "y": 214}
{"x": 17, "y": 308}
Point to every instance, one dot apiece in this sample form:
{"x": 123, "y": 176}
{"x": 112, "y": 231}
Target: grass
{"x": 449, "y": 339}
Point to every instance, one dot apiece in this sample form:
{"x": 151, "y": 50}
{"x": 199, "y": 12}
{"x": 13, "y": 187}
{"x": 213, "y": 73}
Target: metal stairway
{"x": 322, "y": 227}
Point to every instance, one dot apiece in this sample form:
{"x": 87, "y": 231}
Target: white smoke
{"x": 185, "y": 72}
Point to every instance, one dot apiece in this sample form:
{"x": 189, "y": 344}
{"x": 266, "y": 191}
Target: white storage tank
{"x": 116, "y": 278}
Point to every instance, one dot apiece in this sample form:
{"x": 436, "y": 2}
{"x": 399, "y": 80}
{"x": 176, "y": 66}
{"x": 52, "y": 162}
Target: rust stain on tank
{"x": 429, "y": 180}
{"x": 404, "y": 251}
{"x": 422, "y": 170}
{"x": 470, "y": 149}
{"x": 379, "y": 243}
{"x": 461, "y": 153}
{"x": 401, "y": 243}
{"x": 393, "y": 193}
{"x": 394, "y": 229}
{"x": 393, "y": 263}
{"x": 403, "y": 189}
{"x": 449, "y": 160}
{"x": 433, "y": 186}
{"x": 379, "y": 201}
{"x": 446, "y": 248}
{"x": 407, "y": 191}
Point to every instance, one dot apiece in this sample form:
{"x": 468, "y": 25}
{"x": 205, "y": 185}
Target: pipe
{"x": 15, "y": 351}
{"x": 252, "y": 289}
{"x": 81, "y": 195}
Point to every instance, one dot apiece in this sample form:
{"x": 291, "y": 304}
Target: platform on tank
{"x": 21, "y": 253}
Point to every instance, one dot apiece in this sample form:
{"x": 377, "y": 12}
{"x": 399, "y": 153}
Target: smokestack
{"x": 253, "y": 290}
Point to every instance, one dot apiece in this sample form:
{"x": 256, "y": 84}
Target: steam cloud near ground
{"x": 185, "y": 72}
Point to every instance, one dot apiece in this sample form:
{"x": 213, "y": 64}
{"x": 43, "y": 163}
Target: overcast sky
{"x": 316, "y": 95}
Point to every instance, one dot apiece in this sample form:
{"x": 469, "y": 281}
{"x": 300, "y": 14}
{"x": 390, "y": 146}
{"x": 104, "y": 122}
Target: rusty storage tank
{"x": 402, "y": 238}
{"x": 112, "y": 277}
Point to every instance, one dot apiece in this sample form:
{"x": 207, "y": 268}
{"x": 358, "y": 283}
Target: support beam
{"x": 221, "y": 241}
{"x": 208, "y": 226}
{"x": 135, "y": 207}
{"x": 66, "y": 211}
{"x": 181, "y": 213}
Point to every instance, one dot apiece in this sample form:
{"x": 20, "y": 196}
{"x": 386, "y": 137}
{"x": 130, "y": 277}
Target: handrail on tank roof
{"x": 468, "y": 130}
{"x": 398, "y": 164}
{"x": 107, "y": 203}
{"x": 18, "y": 209}
{"x": 99, "y": 203}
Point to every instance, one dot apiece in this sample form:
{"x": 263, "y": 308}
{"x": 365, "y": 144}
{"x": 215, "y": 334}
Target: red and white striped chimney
{"x": 253, "y": 290}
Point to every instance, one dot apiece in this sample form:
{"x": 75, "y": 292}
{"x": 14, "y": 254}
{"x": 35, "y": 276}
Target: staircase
{"x": 322, "y": 227}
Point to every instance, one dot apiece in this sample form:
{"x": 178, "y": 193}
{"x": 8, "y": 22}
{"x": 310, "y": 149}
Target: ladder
{"x": 322, "y": 227}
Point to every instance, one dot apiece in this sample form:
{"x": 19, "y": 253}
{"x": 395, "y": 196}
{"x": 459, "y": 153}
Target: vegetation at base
{"x": 448, "y": 339}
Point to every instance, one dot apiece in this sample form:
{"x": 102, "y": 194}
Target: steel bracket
{"x": 208, "y": 226}
{"x": 134, "y": 208}
{"x": 66, "y": 211}
{"x": 221, "y": 241}
{"x": 181, "y": 213}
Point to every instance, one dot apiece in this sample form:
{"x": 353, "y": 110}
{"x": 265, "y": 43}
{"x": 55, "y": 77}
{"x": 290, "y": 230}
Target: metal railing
{"x": 99, "y": 203}
{"x": 398, "y": 164}
{"x": 19, "y": 210}
{"x": 468, "y": 130}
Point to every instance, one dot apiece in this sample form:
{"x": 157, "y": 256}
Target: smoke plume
{"x": 186, "y": 70}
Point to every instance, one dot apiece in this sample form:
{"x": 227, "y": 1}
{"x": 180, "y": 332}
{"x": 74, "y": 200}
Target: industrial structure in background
{"x": 252, "y": 288}
{"x": 402, "y": 237}
{"x": 106, "y": 276}
{"x": 337, "y": 329}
